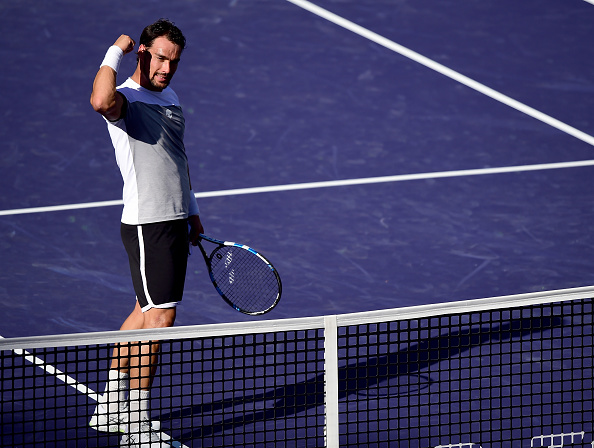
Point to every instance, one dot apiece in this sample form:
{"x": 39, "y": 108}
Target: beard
{"x": 158, "y": 83}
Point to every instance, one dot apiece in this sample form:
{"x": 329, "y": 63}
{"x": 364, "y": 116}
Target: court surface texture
{"x": 381, "y": 153}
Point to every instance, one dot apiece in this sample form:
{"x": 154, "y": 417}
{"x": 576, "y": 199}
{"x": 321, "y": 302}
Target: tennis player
{"x": 146, "y": 125}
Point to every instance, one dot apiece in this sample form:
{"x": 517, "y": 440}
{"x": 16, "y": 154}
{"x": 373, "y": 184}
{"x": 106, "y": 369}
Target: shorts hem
{"x": 162, "y": 306}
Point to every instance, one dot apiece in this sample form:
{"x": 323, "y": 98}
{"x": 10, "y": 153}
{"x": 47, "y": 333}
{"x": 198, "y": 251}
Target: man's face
{"x": 158, "y": 63}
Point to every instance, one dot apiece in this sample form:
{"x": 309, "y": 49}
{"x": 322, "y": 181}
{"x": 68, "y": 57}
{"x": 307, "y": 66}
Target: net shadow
{"x": 357, "y": 377}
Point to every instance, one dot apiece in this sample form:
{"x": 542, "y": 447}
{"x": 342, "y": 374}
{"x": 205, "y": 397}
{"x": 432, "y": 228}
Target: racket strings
{"x": 244, "y": 278}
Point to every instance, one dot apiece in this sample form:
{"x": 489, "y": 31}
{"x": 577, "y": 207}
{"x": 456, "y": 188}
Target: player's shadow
{"x": 361, "y": 377}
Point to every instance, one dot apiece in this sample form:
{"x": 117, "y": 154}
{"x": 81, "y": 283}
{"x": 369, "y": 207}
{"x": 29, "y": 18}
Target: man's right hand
{"x": 126, "y": 43}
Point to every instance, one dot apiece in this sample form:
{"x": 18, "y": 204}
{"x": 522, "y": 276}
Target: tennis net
{"x": 512, "y": 371}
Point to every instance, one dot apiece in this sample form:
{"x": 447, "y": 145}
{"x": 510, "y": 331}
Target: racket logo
{"x": 228, "y": 260}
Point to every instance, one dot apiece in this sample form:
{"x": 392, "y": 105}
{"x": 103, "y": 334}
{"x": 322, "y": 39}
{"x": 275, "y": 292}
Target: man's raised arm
{"x": 104, "y": 97}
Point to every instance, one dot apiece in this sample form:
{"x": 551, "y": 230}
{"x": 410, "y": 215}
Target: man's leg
{"x": 111, "y": 412}
{"x": 120, "y": 359}
{"x": 133, "y": 367}
{"x": 143, "y": 360}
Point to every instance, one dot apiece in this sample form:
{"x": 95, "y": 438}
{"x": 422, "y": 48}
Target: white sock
{"x": 139, "y": 408}
{"x": 116, "y": 390}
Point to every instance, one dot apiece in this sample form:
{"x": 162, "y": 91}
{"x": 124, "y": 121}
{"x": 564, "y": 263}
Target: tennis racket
{"x": 243, "y": 277}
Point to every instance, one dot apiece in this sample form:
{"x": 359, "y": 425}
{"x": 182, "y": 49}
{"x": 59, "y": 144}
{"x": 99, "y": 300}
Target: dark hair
{"x": 162, "y": 27}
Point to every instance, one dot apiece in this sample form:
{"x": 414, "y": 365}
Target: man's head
{"x": 159, "y": 52}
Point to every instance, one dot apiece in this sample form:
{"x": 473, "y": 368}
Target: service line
{"x": 327, "y": 184}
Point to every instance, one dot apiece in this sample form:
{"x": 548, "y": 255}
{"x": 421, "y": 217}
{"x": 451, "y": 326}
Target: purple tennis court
{"x": 382, "y": 154}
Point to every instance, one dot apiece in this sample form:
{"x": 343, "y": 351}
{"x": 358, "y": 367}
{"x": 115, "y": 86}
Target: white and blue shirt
{"x": 150, "y": 153}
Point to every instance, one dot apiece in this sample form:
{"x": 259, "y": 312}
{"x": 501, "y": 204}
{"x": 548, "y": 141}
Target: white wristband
{"x": 113, "y": 57}
{"x": 193, "y": 208}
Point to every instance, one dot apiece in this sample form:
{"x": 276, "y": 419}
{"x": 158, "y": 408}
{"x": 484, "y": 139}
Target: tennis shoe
{"x": 146, "y": 437}
{"x": 105, "y": 421}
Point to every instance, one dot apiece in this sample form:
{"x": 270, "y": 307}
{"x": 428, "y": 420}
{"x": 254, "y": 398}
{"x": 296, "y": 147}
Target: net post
{"x": 331, "y": 382}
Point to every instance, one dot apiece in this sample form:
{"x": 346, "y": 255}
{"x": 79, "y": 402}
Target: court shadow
{"x": 362, "y": 377}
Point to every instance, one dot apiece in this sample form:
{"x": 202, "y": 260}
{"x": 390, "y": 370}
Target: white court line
{"x": 61, "y": 376}
{"x": 80, "y": 387}
{"x": 331, "y": 17}
{"x": 590, "y": 1}
{"x": 326, "y": 184}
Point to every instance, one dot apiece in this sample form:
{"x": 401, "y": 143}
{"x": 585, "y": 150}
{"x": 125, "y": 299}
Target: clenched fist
{"x": 126, "y": 43}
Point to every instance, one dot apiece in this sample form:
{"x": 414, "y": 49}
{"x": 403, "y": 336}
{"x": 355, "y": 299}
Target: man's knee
{"x": 159, "y": 318}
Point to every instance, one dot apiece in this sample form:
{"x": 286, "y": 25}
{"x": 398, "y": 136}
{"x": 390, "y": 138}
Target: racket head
{"x": 244, "y": 278}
